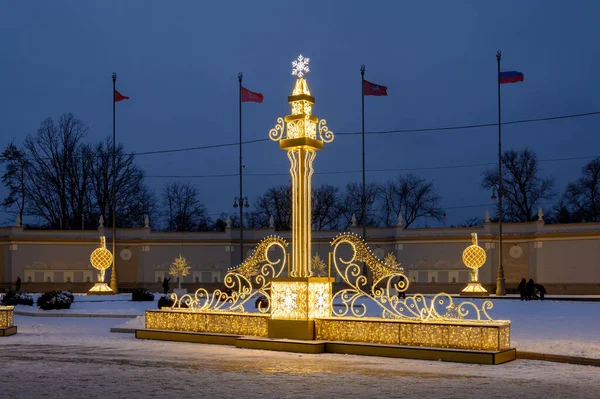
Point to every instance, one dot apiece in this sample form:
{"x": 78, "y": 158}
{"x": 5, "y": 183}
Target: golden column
{"x": 300, "y": 298}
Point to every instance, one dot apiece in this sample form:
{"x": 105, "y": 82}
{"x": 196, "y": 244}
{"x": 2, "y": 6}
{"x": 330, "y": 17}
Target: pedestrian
{"x": 540, "y": 290}
{"x": 523, "y": 288}
{"x": 166, "y": 284}
{"x": 531, "y": 290}
{"x": 18, "y": 284}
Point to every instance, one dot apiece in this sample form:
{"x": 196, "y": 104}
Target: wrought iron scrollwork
{"x": 249, "y": 280}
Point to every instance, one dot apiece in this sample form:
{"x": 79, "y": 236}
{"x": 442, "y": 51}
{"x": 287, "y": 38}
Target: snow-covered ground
{"x": 556, "y": 327}
{"x": 75, "y": 358}
{"x": 79, "y": 357}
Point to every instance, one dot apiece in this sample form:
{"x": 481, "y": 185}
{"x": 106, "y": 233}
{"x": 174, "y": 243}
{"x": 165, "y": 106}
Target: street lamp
{"x": 242, "y": 202}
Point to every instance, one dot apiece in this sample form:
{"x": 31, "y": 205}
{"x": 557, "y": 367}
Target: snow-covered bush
{"x": 142, "y": 294}
{"x": 13, "y": 298}
{"x": 262, "y": 301}
{"x": 165, "y": 302}
{"x": 55, "y": 300}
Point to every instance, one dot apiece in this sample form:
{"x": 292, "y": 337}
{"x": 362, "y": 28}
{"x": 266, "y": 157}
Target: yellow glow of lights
{"x": 474, "y": 257}
{"x": 245, "y": 282}
{"x": 476, "y": 336}
{"x": 301, "y": 134}
{"x": 301, "y": 298}
{"x": 7, "y": 317}
{"x": 179, "y": 267}
{"x": 101, "y": 259}
{"x": 215, "y": 322}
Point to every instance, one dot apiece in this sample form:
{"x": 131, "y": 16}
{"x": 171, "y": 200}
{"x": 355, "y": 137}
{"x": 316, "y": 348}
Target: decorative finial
{"x": 487, "y": 216}
{"x": 300, "y": 66}
{"x": 540, "y": 214}
{"x": 146, "y": 222}
{"x": 399, "y": 219}
{"x": 498, "y": 55}
{"x": 228, "y": 222}
{"x": 101, "y": 222}
{"x": 362, "y": 69}
{"x": 474, "y": 238}
{"x": 272, "y": 222}
{"x": 114, "y": 76}
{"x": 353, "y": 220}
{"x": 18, "y": 220}
{"x": 240, "y": 76}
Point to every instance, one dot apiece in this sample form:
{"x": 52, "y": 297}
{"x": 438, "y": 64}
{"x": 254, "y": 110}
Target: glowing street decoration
{"x": 300, "y": 306}
{"x": 101, "y": 259}
{"x": 474, "y": 257}
{"x": 297, "y": 134}
{"x": 300, "y": 66}
{"x": 247, "y": 281}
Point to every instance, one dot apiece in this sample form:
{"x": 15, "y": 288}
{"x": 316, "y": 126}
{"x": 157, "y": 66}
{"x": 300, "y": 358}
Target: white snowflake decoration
{"x": 300, "y": 66}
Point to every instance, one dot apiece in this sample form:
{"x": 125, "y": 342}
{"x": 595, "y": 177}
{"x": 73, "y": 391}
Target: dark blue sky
{"x": 178, "y": 61}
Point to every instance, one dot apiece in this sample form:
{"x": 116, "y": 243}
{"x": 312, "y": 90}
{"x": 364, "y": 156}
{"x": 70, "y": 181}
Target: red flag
{"x": 372, "y": 89}
{"x": 250, "y": 96}
{"x": 120, "y": 97}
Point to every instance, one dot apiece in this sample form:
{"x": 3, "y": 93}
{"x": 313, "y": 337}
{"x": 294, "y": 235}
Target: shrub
{"x": 263, "y": 301}
{"x": 142, "y": 294}
{"x": 12, "y": 298}
{"x": 55, "y": 300}
{"x": 165, "y": 302}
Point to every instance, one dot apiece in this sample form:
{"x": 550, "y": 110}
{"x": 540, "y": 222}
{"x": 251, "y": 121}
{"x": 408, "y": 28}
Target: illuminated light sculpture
{"x": 7, "y": 319}
{"x": 299, "y": 304}
{"x": 101, "y": 259}
{"x": 474, "y": 257}
{"x": 247, "y": 281}
{"x": 298, "y": 299}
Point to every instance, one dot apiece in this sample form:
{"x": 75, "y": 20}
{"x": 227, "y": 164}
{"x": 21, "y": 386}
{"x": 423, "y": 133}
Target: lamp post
{"x": 241, "y": 202}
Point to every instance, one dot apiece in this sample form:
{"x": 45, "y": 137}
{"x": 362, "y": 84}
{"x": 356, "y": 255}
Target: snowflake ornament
{"x": 300, "y": 66}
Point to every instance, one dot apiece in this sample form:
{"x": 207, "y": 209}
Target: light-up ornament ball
{"x": 474, "y": 257}
{"x": 101, "y": 259}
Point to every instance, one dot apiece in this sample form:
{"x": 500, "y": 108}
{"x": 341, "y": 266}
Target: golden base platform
{"x": 352, "y": 348}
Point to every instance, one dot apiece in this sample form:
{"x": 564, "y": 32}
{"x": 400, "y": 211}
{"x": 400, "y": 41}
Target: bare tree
{"x": 133, "y": 198}
{"x": 14, "y": 178}
{"x": 523, "y": 186}
{"x": 276, "y": 202}
{"x": 582, "y": 198}
{"x": 57, "y": 178}
{"x": 352, "y": 204}
{"x": 184, "y": 210}
{"x": 61, "y": 178}
{"x": 327, "y": 208}
{"x": 412, "y": 196}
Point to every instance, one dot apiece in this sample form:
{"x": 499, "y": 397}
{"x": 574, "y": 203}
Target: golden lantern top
{"x": 303, "y": 128}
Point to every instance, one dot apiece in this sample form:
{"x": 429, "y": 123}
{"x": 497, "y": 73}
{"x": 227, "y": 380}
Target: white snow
{"x": 555, "y": 327}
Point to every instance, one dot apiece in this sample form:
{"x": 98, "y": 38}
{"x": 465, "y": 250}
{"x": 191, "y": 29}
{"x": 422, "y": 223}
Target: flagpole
{"x": 363, "y": 197}
{"x": 241, "y": 198}
{"x": 500, "y": 283}
{"x": 113, "y": 274}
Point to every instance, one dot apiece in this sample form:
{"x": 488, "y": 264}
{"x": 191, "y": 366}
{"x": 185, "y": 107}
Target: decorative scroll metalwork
{"x": 276, "y": 133}
{"x": 324, "y": 133}
{"x": 387, "y": 278}
{"x": 249, "y": 280}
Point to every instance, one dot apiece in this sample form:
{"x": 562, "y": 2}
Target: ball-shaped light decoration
{"x": 101, "y": 258}
{"x": 474, "y": 256}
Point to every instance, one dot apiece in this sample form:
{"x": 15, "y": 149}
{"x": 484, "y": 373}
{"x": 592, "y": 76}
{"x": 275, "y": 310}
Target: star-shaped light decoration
{"x": 300, "y": 66}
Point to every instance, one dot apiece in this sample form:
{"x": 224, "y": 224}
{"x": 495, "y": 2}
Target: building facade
{"x": 564, "y": 258}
